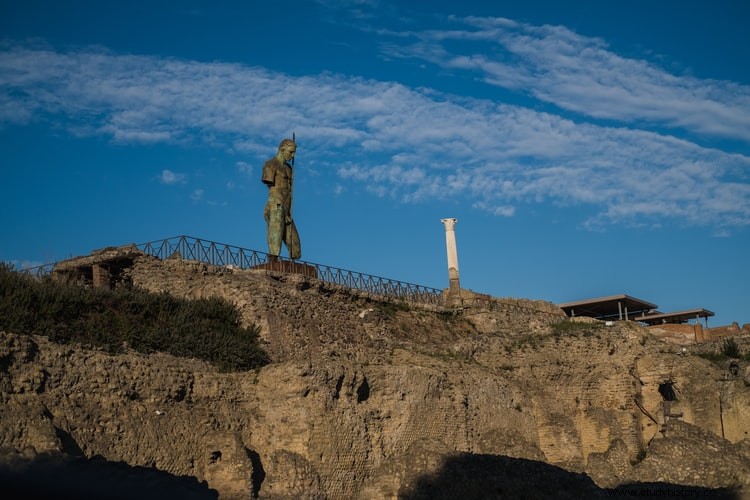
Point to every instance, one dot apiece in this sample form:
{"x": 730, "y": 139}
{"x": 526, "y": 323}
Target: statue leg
{"x": 275, "y": 228}
{"x": 291, "y": 240}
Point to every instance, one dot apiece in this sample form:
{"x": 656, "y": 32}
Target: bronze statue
{"x": 278, "y": 175}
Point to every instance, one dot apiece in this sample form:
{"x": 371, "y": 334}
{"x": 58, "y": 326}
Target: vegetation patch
{"x": 729, "y": 350}
{"x": 389, "y": 309}
{"x": 568, "y": 327}
{"x": 447, "y": 316}
{"x": 208, "y": 329}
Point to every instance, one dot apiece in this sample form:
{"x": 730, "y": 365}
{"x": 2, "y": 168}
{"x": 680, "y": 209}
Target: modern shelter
{"x": 679, "y": 317}
{"x": 613, "y": 307}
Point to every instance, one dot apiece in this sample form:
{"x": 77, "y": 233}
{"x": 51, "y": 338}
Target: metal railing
{"x": 39, "y": 271}
{"x": 221, "y": 254}
{"x": 208, "y": 252}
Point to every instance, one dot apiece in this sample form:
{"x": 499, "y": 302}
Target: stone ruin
{"x": 367, "y": 398}
{"x": 104, "y": 268}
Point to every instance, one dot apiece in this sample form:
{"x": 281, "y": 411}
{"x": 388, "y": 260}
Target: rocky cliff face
{"x": 367, "y": 399}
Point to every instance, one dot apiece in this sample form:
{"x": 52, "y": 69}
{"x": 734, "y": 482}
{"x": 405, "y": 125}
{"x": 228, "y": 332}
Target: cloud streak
{"x": 582, "y": 75}
{"x": 168, "y": 177}
{"x": 409, "y": 144}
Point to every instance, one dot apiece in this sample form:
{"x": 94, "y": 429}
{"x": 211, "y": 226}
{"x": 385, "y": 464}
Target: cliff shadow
{"x": 69, "y": 445}
{"x": 63, "y": 477}
{"x": 477, "y": 476}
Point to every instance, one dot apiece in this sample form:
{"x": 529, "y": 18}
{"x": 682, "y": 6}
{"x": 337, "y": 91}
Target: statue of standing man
{"x": 278, "y": 175}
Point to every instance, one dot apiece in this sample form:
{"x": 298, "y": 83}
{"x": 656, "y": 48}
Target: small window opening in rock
{"x": 258, "y": 475}
{"x": 215, "y": 457}
{"x": 666, "y": 389}
{"x": 339, "y": 384}
{"x": 363, "y": 391}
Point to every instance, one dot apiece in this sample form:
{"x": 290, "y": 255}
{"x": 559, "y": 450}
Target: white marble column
{"x": 450, "y": 245}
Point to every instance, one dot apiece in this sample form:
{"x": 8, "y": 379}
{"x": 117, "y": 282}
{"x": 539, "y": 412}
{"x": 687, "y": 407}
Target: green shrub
{"x": 714, "y": 357}
{"x": 731, "y": 349}
{"x": 208, "y": 329}
{"x": 389, "y": 309}
{"x": 568, "y": 327}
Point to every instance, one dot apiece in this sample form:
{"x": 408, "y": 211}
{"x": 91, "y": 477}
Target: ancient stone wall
{"x": 720, "y": 332}
{"x": 681, "y": 334}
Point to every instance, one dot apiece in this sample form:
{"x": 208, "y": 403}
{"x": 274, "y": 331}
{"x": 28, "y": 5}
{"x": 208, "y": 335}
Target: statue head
{"x": 287, "y": 148}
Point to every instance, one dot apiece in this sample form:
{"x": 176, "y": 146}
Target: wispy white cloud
{"x": 245, "y": 168}
{"x": 168, "y": 177}
{"x": 356, "y": 9}
{"x": 499, "y": 210}
{"x": 581, "y": 74}
{"x": 197, "y": 195}
{"x": 408, "y": 144}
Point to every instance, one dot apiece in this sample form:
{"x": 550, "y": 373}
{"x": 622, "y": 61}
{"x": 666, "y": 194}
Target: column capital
{"x": 449, "y": 223}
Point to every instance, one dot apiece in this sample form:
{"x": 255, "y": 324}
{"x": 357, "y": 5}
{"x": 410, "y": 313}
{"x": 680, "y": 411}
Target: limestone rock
{"x": 675, "y": 459}
{"x": 372, "y": 399}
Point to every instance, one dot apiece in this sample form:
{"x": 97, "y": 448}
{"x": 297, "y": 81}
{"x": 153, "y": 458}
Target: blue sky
{"x": 587, "y": 148}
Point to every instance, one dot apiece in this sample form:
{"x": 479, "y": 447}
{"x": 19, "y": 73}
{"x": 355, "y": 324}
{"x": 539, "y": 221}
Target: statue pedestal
{"x": 289, "y": 267}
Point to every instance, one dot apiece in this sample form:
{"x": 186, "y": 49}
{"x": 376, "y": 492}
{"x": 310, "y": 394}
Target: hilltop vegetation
{"x": 208, "y": 329}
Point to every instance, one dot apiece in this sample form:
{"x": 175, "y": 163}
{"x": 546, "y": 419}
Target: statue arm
{"x": 269, "y": 173}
